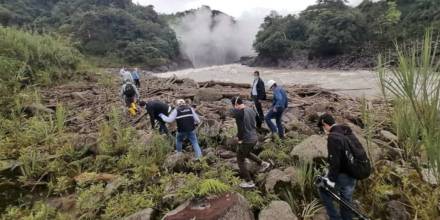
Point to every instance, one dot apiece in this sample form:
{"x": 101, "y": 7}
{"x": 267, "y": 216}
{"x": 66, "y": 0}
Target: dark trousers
{"x": 259, "y": 111}
{"x": 245, "y": 151}
{"x": 137, "y": 83}
{"x": 162, "y": 126}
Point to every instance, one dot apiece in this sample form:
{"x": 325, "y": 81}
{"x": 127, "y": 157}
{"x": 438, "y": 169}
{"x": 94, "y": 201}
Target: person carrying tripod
{"x": 348, "y": 162}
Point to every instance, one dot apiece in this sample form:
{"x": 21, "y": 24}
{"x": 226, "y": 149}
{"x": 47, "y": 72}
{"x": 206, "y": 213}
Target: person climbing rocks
{"x": 187, "y": 120}
{"x": 258, "y": 92}
{"x": 247, "y": 138}
{"x": 279, "y": 104}
{"x": 154, "y": 109}
{"x": 338, "y": 176}
{"x": 136, "y": 77}
{"x": 129, "y": 93}
{"x": 125, "y": 75}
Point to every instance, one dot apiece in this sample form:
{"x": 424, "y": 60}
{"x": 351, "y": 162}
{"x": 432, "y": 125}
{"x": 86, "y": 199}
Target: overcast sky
{"x": 233, "y": 7}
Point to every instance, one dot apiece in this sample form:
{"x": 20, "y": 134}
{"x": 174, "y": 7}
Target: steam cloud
{"x": 215, "y": 40}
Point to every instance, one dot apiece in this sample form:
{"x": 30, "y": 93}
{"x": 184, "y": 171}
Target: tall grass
{"x": 416, "y": 81}
{"x": 30, "y": 60}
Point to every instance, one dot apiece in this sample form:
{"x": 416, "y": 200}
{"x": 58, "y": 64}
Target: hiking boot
{"x": 264, "y": 166}
{"x": 247, "y": 185}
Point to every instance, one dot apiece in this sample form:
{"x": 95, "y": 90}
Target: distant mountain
{"x": 116, "y": 31}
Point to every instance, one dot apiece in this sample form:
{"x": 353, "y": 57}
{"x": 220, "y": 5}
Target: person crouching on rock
{"x": 186, "y": 119}
{"x": 154, "y": 109}
{"x": 129, "y": 93}
{"x": 247, "y": 139}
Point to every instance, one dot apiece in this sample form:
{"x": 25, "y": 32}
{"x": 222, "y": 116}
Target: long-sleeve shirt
{"x": 246, "y": 124}
{"x": 135, "y": 75}
{"x": 121, "y": 93}
{"x": 173, "y": 115}
{"x": 126, "y": 76}
{"x": 155, "y": 108}
{"x": 279, "y": 98}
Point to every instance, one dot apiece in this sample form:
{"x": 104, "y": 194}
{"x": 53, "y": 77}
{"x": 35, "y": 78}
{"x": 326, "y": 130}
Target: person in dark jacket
{"x": 338, "y": 175}
{"x": 258, "y": 92}
{"x": 247, "y": 139}
{"x": 279, "y": 104}
{"x": 186, "y": 119}
{"x": 154, "y": 109}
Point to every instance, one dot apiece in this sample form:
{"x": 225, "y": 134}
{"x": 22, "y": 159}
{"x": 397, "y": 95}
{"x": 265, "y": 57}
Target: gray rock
{"x": 177, "y": 162}
{"x": 389, "y": 136}
{"x": 230, "y": 206}
{"x": 397, "y": 211}
{"x": 429, "y": 177}
{"x": 208, "y": 95}
{"x": 277, "y": 210}
{"x": 145, "y": 214}
{"x": 277, "y": 176}
{"x": 313, "y": 147}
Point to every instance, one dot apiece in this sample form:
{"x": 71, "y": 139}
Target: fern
{"x": 212, "y": 187}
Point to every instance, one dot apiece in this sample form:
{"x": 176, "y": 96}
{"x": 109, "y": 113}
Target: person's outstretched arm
{"x": 170, "y": 118}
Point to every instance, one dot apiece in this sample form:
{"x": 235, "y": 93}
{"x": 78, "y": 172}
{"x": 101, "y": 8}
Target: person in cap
{"x": 258, "y": 92}
{"x": 154, "y": 109}
{"x": 279, "y": 104}
{"x": 186, "y": 119}
{"x": 247, "y": 139}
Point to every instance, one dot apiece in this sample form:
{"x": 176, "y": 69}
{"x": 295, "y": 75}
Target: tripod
{"x": 321, "y": 183}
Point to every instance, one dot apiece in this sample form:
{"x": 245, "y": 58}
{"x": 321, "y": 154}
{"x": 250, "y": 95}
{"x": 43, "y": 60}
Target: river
{"x": 355, "y": 83}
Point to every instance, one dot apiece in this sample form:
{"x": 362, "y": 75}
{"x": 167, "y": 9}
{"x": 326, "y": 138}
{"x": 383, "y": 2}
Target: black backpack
{"x": 129, "y": 90}
{"x": 359, "y": 166}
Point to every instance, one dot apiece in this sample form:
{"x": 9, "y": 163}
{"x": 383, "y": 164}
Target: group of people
{"x": 249, "y": 120}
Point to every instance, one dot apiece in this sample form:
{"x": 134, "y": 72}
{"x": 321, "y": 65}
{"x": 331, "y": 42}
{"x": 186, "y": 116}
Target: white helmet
{"x": 270, "y": 83}
{"x": 180, "y": 102}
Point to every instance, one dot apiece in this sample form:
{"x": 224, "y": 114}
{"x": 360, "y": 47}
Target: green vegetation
{"x": 415, "y": 82}
{"x": 331, "y": 27}
{"x": 116, "y": 32}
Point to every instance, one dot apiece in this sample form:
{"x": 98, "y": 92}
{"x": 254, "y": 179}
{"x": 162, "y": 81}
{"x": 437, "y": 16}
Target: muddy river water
{"x": 355, "y": 83}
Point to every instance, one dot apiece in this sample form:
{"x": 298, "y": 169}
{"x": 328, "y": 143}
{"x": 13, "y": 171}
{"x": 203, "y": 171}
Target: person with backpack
{"x": 186, "y": 119}
{"x": 136, "y": 77}
{"x": 279, "y": 104}
{"x": 154, "y": 109}
{"x": 348, "y": 162}
{"x": 125, "y": 75}
{"x": 129, "y": 93}
{"x": 258, "y": 92}
{"x": 247, "y": 138}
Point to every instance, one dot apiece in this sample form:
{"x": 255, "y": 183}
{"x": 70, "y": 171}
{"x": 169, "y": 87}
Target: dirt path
{"x": 355, "y": 83}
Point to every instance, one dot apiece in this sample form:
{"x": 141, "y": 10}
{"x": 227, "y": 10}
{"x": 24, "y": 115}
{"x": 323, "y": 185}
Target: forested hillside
{"x": 116, "y": 30}
{"x": 331, "y": 28}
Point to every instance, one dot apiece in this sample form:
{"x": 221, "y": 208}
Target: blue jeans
{"x": 180, "y": 137}
{"x": 277, "y": 115}
{"x": 345, "y": 186}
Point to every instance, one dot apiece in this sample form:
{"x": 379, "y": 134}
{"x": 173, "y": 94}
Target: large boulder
{"x": 277, "y": 210}
{"x": 208, "y": 95}
{"x": 177, "y": 162}
{"x": 314, "y": 147}
{"x": 277, "y": 177}
{"x": 145, "y": 214}
{"x": 294, "y": 124}
{"x": 230, "y": 206}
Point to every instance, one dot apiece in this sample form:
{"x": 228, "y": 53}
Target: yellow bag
{"x": 133, "y": 109}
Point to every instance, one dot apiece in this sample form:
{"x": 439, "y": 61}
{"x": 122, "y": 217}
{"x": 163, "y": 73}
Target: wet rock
{"x": 145, "y": 214}
{"x": 278, "y": 210}
{"x": 177, "y": 162}
{"x": 389, "y": 136}
{"x": 397, "y": 211}
{"x": 230, "y": 206}
{"x": 314, "y": 147}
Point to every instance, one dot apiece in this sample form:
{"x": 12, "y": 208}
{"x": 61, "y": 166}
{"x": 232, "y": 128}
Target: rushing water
{"x": 356, "y": 83}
